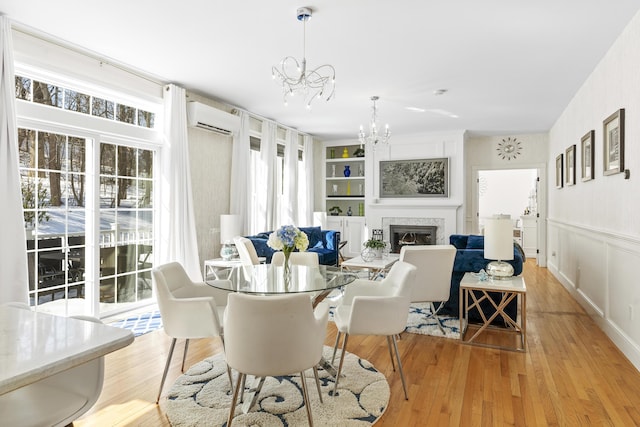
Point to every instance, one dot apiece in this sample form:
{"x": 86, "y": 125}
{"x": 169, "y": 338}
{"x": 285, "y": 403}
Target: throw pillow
{"x": 314, "y": 234}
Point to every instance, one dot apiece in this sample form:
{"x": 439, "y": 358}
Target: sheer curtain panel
{"x": 14, "y": 275}
{"x": 309, "y": 168}
{"x": 178, "y": 239}
{"x": 240, "y": 176}
{"x": 290, "y": 196}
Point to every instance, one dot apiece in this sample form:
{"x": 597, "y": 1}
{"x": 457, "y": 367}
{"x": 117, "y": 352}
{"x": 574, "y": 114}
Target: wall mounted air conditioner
{"x": 210, "y": 118}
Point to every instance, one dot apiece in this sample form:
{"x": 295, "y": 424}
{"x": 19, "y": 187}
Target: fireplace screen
{"x": 411, "y": 235}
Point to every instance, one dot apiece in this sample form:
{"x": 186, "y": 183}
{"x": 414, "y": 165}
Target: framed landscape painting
{"x": 613, "y": 143}
{"x": 414, "y": 178}
{"x": 587, "y": 156}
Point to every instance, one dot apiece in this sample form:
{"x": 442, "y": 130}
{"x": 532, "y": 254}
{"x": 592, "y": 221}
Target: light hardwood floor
{"x": 571, "y": 374}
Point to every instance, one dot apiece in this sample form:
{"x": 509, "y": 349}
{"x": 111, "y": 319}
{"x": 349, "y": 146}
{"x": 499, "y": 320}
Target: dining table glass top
{"x": 268, "y": 279}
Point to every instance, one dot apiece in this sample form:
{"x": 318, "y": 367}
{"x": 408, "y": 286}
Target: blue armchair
{"x": 323, "y": 242}
{"x": 470, "y": 258}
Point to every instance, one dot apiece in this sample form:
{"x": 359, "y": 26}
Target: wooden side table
{"x": 473, "y": 292}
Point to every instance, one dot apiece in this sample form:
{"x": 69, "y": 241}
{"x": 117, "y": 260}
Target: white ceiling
{"x": 510, "y": 66}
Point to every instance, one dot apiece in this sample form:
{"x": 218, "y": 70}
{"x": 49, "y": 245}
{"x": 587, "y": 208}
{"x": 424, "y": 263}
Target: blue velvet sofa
{"x": 323, "y": 242}
{"x": 470, "y": 258}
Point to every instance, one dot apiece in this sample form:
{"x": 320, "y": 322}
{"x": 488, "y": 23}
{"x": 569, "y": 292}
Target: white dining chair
{"x": 273, "y": 336}
{"x": 432, "y": 279}
{"x": 309, "y": 259}
{"x": 57, "y": 400}
{"x": 189, "y": 309}
{"x": 375, "y": 308}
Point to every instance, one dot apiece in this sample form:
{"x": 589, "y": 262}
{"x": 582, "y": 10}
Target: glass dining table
{"x": 269, "y": 279}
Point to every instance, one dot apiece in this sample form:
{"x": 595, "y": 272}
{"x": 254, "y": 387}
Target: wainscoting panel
{"x": 600, "y": 270}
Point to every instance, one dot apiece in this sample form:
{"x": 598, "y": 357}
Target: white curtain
{"x": 308, "y": 191}
{"x": 177, "y": 220}
{"x": 267, "y": 193}
{"x": 290, "y": 199}
{"x": 240, "y": 176}
{"x": 14, "y": 276}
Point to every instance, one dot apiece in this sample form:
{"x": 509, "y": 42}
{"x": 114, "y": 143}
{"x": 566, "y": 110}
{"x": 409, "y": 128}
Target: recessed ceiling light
{"x": 439, "y": 92}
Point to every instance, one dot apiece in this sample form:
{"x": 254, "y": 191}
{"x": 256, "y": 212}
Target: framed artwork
{"x": 587, "y": 156}
{"x": 414, "y": 178}
{"x": 559, "y": 169}
{"x": 613, "y": 143}
{"x": 570, "y": 158}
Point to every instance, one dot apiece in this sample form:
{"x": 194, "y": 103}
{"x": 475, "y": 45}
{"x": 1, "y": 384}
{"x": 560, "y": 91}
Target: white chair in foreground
{"x": 57, "y": 400}
{"x": 432, "y": 280}
{"x": 296, "y": 258}
{"x": 188, "y": 309}
{"x": 273, "y": 336}
{"x": 376, "y": 308}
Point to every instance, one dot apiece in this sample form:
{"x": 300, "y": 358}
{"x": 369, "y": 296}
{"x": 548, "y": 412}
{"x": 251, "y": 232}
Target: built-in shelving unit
{"x": 344, "y": 179}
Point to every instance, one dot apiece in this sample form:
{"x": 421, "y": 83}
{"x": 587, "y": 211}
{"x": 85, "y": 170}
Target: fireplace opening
{"x": 411, "y": 235}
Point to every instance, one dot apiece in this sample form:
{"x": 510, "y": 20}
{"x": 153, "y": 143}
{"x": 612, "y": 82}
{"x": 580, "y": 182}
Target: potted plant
{"x": 373, "y": 249}
{"x": 335, "y": 211}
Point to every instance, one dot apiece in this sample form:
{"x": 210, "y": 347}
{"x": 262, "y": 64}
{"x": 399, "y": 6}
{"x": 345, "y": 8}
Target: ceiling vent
{"x": 205, "y": 117}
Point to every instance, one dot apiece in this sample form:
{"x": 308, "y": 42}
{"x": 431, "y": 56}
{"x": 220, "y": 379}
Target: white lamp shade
{"x": 230, "y": 228}
{"x": 498, "y": 239}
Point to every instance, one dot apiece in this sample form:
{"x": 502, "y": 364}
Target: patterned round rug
{"x": 202, "y": 397}
{"x": 420, "y": 322}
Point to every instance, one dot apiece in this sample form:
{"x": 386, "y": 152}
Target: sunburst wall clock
{"x": 509, "y": 148}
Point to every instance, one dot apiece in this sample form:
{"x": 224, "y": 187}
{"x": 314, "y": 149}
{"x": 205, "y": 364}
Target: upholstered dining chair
{"x": 375, "y": 308}
{"x": 189, "y": 309}
{"x": 273, "y": 336}
{"x": 246, "y": 251}
{"x": 432, "y": 280}
{"x": 296, "y": 258}
{"x": 57, "y": 400}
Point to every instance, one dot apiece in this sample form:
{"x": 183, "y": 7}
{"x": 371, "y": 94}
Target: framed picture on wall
{"x": 570, "y": 157}
{"x": 414, "y": 178}
{"x": 613, "y": 143}
{"x": 587, "y": 156}
{"x": 559, "y": 170}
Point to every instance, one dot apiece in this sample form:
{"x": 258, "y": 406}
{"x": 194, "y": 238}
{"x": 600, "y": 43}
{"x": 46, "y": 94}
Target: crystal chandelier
{"x": 296, "y": 79}
{"x": 374, "y": 138}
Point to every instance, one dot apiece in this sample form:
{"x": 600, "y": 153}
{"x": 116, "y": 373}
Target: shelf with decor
{"x": 344, "y": 179}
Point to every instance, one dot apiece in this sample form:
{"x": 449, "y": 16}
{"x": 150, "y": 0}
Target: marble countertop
{"x": 35, "y": 345}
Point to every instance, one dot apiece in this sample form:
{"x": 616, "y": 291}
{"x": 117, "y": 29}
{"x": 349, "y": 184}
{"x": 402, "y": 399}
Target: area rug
{"x": 202, "y": 397}
{"x": 141, "y": 324}
{"x": 420, "y": 322}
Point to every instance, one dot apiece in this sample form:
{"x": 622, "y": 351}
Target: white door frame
{"x": 542, "y": 202}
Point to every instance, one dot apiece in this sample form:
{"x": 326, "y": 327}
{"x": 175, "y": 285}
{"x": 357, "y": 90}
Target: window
{"x": 70, "y": 173}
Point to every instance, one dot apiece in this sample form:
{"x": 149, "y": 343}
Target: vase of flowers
{"x": 287, "y": 239}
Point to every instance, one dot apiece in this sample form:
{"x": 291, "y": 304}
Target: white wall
{"x": 594, "y": 229}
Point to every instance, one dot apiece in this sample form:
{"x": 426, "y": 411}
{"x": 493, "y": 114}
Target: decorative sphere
{"x": 368, "y": 254}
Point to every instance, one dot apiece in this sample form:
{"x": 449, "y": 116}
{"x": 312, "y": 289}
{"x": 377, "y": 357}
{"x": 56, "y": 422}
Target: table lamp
{"x": 498, "y": 246}
{"x": 230, "y": 227}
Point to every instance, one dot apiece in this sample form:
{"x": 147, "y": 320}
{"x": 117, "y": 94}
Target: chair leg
{"x": 434, "y": 313}
{"x": 335, "y": 347}
{"x": 344, "y": 346}
{"x": 184, "y": 356}
{"x": 404, "y": 385}
{"x": 393, "y": 366}
{"x": 166, "y": 368}
{"x": 234, "y": 399}
{"x": 305, "y": 395}
{"x": 315, "y": 374}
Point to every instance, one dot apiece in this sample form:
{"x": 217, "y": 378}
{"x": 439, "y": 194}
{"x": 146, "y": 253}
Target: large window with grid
{"x": 87, "y": 200}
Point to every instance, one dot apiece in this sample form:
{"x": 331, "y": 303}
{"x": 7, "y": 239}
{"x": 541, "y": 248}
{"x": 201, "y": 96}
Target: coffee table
{"x": 376, "y": 267}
